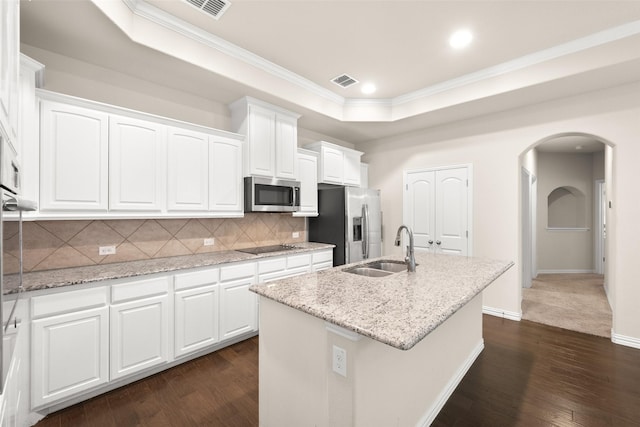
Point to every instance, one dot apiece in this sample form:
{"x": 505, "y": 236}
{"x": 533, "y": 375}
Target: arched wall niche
{"x": 566, "y": 208}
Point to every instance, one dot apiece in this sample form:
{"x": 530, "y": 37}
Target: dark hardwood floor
{"x": 528, "y": 375}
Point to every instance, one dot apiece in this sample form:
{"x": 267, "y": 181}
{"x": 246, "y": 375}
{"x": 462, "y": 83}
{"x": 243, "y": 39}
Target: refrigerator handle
{"x": 365, "y": 231}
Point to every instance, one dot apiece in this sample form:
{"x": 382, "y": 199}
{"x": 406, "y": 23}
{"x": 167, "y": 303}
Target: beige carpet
{"x": 570, "y": 301}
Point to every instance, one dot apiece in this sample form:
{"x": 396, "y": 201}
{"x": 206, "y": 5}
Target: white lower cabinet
{"x": 196, "y": 300}
{"x": 139, "y": 326}
{"x": 70, "y": 344}
{"x": 238, "y": 312}
{"x": 322, "y": 260}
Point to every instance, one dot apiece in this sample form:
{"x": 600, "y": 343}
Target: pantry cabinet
{"x": 70, "y": 344}
{"x": 74, "y": 158}
{"x": 271, "y": 138}
{"x": 136, "y": 164}
{"x": 139, "y": 326}
{"x": 196, "y": 301}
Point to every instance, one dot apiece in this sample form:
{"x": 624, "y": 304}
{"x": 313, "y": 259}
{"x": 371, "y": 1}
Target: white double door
{"x": 436, "y": 207}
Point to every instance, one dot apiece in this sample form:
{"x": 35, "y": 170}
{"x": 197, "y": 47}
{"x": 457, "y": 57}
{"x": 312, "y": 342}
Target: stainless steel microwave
{"x": 271, "y": 195}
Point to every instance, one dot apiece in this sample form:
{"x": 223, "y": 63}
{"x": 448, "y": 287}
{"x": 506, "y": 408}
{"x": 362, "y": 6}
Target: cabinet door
{"x": 9, "y": 66}
{"x": 226, "y": 184}
{"x": 286, "y": 147}
{"x": 308, "y": 175}
{"x": 74, "y": 158}
{"x": 188, "y": 173}
{"x": 261, "y": 139}
{"x": 238, "y": 313}
{"x": 332, "y": 168}
{"x": 351, "y": 168}
{"x": 136, "y": 160}
{"x": 139, "y": 335}
{"x": 196, "y": 319}
{"x": 70, "y": 354}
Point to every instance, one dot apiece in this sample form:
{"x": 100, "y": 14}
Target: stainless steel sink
{"x": 380, "y": 268}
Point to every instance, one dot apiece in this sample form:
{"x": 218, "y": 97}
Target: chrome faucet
{"x": 410, "y": 259}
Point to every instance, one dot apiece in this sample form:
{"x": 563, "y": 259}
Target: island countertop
{"x": 399, "y": 309}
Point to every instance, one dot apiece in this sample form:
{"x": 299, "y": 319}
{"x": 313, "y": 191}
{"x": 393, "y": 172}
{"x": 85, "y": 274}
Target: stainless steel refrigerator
{"x": 350, "y": 218}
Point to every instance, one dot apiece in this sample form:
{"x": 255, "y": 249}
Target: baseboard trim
{"x": 446, "y": 393}
{"x": 565, "y": 271}
{"x": 511, "y": 315}
{"x": 625, "y": 340}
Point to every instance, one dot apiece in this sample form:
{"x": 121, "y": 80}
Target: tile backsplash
{"x": 61, "y": 244}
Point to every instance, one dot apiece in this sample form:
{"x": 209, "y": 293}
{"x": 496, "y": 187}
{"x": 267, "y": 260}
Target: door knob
{"x": 431, "y": 242}
{"x": 438, "y": 242}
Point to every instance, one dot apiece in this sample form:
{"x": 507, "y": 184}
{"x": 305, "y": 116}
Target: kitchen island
{"x": 340, "y": 349}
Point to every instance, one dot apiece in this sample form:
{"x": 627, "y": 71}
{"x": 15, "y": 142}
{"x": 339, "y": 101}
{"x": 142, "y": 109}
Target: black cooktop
{"x": 266, "y": 249}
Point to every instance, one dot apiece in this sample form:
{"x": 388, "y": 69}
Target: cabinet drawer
{"x": 322, "y": 256}
{"x": 196, "y": 278}
{"x": 237, "y": 271}
{"x": 139, "y": 289}
{"x": 295, "y": 261}
{"x": 272, "y": 264}
{"x": 64, "y": 302}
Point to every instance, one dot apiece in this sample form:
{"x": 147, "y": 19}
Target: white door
{"x": 286, "y": 147}
{"x": 225, "y": 176}
{"x": 70, "y": 354}
{"x": 196, "y": 319}
{"x": 331, "y": 166}
{"x": 74, "y": 158}
{"x": 308, "y": 176}
{"x": 436, "y": 208}
{"x": 188, "y": 174}
{"x": 261, "y": 141}
{"x": 136, "y": 164}
{"x": 238, "y": 313}
{"x": 139, "y": 335}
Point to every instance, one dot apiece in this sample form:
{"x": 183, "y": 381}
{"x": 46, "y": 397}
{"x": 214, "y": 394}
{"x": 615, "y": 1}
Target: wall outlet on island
{"x": 340, "y": 360}
{"x": 210, "y": 242}
{"x": 106, "y": 250}
{"x": 295, "y": 235}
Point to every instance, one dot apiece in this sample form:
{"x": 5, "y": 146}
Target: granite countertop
{"x": 399, "y": 309}
{"x": 78, "y": 275}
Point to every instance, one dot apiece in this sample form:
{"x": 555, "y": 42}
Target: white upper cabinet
{"x": 308, "y": 175}
{"x": 188, "y": 174}
{"x": 338, "y": 165}
{"x": 225, "y": 176}
{"x": 136, "y": 164}
{"x": 271, "y": 138}
{"x": 74, "y": 158}
{"x": 101, "y": 161}
{"x": 9, "y": 66}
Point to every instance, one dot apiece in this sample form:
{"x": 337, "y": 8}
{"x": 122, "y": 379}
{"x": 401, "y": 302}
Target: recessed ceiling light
{"x": 461, "y": 38}
{"x": 368, "y": 88}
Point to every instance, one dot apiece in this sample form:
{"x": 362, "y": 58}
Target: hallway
{"x": 575, "y": 302}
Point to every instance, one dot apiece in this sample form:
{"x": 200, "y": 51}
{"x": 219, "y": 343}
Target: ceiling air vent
{"x": 344, "y": 80}
{"x": 214, "y": 8}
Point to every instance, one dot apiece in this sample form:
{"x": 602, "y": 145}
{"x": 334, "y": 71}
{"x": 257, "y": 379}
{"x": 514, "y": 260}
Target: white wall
{"x": 565, "y": 250}
{"x": 494, "y": 144}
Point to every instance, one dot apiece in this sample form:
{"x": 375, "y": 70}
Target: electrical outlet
{"x": 295, "y": 234}
{"x": 209, "y": 242}
{"x": 339, "y": 360}
{"x": 106, "y": 250}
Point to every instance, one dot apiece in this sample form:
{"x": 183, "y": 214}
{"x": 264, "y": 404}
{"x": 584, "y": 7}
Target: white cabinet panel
{"x": 308, "y": 176}
{"x": 9, "y": 66}
{"x": 196, "y": 319}
{"x": 261, "y": 134}
{"x": 238, "y": 313}
{"x": 188, "y": 174}
{"x": 225, "y": 176}
{"x": 332, "y": 166}
{"x": 74, "y": 158}
{"x": 352, "y": 168}
{"x": 139, "y": 335}
{"x": 337, "y": 165}
{"x": 286, "y": 147}
{"x": 70, "y": 354}
{"x": 136, "y": 164}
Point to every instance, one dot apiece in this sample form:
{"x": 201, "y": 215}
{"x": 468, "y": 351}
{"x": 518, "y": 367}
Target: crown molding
{"x": 385, "y": 106}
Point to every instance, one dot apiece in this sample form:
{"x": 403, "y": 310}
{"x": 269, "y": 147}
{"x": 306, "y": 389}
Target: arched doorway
{"x": 564, "y": 180}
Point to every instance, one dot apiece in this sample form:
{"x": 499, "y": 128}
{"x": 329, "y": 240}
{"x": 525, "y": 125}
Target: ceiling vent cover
{"x": 214, "y": 8}
{"x": 344, "y": 80}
